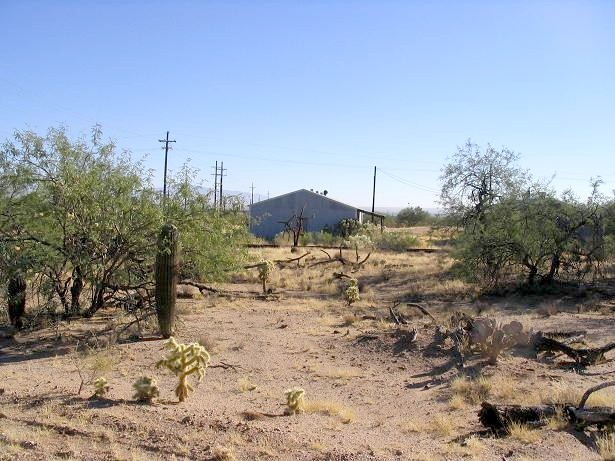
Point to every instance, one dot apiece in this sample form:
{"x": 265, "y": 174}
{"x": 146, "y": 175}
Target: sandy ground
{"x": 371, "y": 394}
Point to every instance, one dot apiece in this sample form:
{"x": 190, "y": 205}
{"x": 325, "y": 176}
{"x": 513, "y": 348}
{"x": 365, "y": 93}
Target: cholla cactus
{"x": 351, "y": 294}
{"x": 101, "y": 387}
{"x": 265, "y": 269}
{"x": 146, "y": 389}
{"x": 295, "y": 402}
{"x": 185, "y": 360}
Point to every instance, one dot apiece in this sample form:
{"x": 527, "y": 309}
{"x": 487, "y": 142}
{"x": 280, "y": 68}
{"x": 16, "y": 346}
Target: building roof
{"x": 321, "y": 196}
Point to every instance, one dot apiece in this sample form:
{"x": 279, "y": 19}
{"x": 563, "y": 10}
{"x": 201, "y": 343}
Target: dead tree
{"x": 295, "y": 226}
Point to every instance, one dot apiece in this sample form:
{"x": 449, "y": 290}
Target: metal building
{"x": 317, "y": 212}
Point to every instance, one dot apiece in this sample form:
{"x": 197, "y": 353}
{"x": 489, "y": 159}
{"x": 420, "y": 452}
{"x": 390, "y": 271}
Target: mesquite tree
{"x": 512, "y": 225}
{"x": 80, "y": 220}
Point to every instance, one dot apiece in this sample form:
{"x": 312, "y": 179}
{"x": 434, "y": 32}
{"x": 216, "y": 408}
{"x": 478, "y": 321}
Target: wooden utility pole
{"x": 222, "y": 170}
{"x": 252, "y": 195}
{"x": 216, "y": 185}
{"x": 166, "y": 153}
{"x": 374, "y": 195}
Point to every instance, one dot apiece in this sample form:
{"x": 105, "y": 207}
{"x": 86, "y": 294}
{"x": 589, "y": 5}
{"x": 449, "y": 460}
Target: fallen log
{"x": 500, "y": 417}
{"x": 582, "y": 357}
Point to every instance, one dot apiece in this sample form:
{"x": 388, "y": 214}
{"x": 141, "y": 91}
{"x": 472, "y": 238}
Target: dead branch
{"x": 201, "y": 286}
{"x": 397, "y": 317}
{"x": 591, "y": 390}
{"x": 328, "y": 255}
{"x": 290, "y": 260}
{"x": 358, "y": 264}
{"x": 331, "y": 260}
{"x": 582, "y": 357}
{"x": 341, "y": 275}
{"x": 422, "y": 309}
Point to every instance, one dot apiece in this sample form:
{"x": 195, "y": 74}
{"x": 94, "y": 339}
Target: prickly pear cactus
{"x": 351, "y": 294}
{"x": 101, "y": 387}
{"x": 295, "y": 402}
{"x": 167, "y": 268}
{"x": 185, "y": 360}
{"x": 265, "y": 269}
{"x": 146, "y": 389}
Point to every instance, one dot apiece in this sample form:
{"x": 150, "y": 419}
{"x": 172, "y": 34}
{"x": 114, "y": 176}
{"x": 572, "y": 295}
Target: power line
{"x": 409, "y": 183}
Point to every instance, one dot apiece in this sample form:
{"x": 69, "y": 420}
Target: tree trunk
{"x": 555, "y": 262}
{"x": 16, "y": 294}
{"x": 98, "y": 299}
{"x": 75, "y": 291}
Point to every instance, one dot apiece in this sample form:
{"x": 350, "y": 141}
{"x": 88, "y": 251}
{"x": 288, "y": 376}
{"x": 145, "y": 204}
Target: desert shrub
{"x": 351, "y": 293}
{"x": 347, "y": 227}
{"x": 395, "y": 241}
{"x": 265, "y": 269}
{"x": 184, "y": 360}
{"x": 101, "y": 387}
{"x": 323, "y": 238}
{"x": 146, "y": 389}
{"x": 295, "y": 401}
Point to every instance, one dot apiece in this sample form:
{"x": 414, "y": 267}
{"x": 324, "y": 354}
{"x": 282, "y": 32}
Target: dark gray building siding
{"x": 319, "y": 210}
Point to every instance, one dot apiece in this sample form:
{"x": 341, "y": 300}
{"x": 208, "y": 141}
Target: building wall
{"x": 319, "y": 210}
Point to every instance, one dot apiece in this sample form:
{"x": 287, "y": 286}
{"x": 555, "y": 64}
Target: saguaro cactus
{"x": 167, "y": 268}
{"x": 16, "y": 299}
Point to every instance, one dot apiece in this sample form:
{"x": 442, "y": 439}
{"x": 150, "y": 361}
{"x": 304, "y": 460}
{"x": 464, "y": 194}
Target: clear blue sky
{"x": 313, "y": 94}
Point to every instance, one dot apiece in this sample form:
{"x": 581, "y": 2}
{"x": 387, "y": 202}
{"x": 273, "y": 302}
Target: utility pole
{"x": 374, "y": 195}
{"x": 215, "y": 185}
{"x": 166, "y": 153}
{"x": 222, "y": 170}
{"x": 252, "y": 196}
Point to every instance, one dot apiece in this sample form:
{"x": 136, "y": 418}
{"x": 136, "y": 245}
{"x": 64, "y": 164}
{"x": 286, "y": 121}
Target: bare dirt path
{"x": 371, "y": 396}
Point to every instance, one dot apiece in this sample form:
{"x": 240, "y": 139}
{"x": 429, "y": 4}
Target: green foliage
{"x": 514, "y": 226}
{"x": 211, "y": 240}
{"x": 347, "y": 227}
{"x": 295, "y": 401}
{"x": 146, "y": 389}
{"x": 395, "y": 240}
{"x": 412, "y": 216}
{"x": 185, "y": 360}
{"x": 79, "y": 220}
{"x": 351, "y": 293}
{"x": 101, "y": 387}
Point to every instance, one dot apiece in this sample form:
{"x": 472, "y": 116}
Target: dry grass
{"x": 472, "y": 391}
{"x": 557, "y": 422}
{"x": 443, "y": 425}
{"x": 245, "y": 384}
{"x": 330, "y": 408}
{"x": 464, "y": 391}
{"x": 224, "y": 454}
{"x": 523, "y": 433}
{"x": 562, "y": 393}
{"x": 606, "y": 446}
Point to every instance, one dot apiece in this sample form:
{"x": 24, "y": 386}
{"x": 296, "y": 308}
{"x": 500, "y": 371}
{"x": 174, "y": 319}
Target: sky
{"x": 314, "y": 94}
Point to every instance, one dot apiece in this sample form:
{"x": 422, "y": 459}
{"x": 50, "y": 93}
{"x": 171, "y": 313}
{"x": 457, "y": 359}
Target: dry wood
{"x": 499, "y": 417}
{"x": 591, "y": 390}
{"x": 422, "y": 309}
{"x": 582, "y": 357}
{"x": 397, "y": 317}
